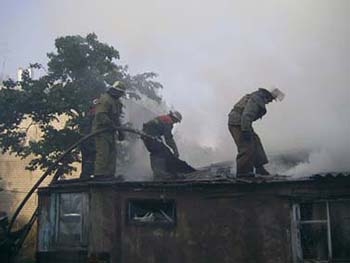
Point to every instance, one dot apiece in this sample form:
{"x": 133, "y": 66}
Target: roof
{"x": 215, "y": 174}
{"x": 224, "y": 172}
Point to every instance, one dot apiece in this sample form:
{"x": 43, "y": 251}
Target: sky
{"x": 210, "y": 53}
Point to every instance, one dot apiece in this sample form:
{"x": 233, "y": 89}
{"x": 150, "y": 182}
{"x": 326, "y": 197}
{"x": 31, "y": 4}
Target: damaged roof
{"x": 221, "y": 173}
{"x": 225, "y": 172}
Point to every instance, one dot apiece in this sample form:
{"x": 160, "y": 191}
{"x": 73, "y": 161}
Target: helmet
{"x": 117, "y": 89}
{"x": 119, "y": 86}
{"x": 277, "y": 94}
{"x": 176, "y": 115}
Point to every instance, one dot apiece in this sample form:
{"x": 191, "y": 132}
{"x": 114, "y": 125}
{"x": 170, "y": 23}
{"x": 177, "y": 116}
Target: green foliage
{"x": 57, "y": 102}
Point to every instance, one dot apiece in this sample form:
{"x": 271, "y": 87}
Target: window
{"x": 340, "y": 230}
{"x": 71, "y": 217}
{"x": 322, "y": 231}
{"x": 151, "y": 212}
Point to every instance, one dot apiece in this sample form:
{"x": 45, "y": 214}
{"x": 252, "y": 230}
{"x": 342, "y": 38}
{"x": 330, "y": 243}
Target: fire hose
{"x": 56, "y": 176}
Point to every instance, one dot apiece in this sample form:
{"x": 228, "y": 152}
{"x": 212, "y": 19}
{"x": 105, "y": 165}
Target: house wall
{"x": 105, "y": 223}
{"x": 239, "y": 223}
{"x": 253, "y": 227}
{"x": 16, "y": 182}
{"x": 240, "y": 227}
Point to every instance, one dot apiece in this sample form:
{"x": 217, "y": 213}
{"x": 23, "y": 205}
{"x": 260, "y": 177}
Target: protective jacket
{"x": 162, "y": 126}
{"x": 107, "y": 115}
{"x": 107, "y": 112}
{"x": 247, "y": 110}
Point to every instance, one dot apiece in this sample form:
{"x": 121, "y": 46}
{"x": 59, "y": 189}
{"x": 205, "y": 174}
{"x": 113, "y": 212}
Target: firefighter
{"x": 161, "y": 127}
{"x": 248, "y": 109}
{"x": 107, "y": 115}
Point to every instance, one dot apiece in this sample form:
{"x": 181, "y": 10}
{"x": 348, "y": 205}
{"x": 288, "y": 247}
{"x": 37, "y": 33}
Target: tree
{"x": 79, "y": 70}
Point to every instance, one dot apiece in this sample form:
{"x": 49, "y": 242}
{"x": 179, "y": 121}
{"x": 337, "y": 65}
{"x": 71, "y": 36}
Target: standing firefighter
{"x": 160, "y": 154}
{"x": 250, "y": 150}
{"x": 107, "y": 115}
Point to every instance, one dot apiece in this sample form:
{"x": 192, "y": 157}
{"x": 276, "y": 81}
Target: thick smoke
{"x": 209, "y": 54}
{"x": 136, "y": 112}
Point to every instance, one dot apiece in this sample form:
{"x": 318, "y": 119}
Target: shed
{"x": 209, "y": 216}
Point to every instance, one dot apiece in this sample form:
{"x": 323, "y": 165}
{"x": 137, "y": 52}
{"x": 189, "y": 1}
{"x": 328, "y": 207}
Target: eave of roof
{"x": 195, "y": 179}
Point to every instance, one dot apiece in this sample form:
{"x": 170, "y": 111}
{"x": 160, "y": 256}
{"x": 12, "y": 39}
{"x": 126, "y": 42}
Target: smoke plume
{"x": 210, "y": 53}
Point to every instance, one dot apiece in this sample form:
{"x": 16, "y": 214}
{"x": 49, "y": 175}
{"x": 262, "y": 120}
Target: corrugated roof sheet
{"x": 225, "y": 171}
{"x": 214, "y": 174}
{"x": 217, "y": 173}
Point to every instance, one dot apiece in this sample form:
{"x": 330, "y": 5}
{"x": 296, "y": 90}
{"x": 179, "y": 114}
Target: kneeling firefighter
{"x": 160, "y": 154}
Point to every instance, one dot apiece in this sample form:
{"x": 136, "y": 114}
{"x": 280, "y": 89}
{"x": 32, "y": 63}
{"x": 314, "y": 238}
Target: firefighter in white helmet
{"x": 248, "y": 109}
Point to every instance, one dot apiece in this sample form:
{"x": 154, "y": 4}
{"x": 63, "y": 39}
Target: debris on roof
{"x": 218, "y": 173}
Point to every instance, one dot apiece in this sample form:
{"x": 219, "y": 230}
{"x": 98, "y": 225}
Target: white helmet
{"x": 117, "y": 89}
{"x": 277, "y": 94}
{"x": 118, "y": 86}
{"x": 176, "y": 115}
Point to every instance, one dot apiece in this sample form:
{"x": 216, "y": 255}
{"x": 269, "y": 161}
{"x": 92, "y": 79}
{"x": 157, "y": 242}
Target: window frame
{"x": 83, "y": 241}
{"x": 297, "y": 222}
{"x": 132, "y": 222}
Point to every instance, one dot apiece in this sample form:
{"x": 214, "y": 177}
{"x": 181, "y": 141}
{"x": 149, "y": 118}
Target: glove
{"x": 247, "y": 136}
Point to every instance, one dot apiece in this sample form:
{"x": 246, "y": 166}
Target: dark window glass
{"x": 313, "y": 211}
{"x": 340, "y": 229}
{"x": 314, "y": 241}
{"x": 151, "y": 212}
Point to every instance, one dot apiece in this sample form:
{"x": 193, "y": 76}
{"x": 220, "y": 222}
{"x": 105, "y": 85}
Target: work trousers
{"x": 105, "y": 161}
{"x": 159, "y": 157}
{"x": 250, "y": 153}
{"x": 88, "y": 153}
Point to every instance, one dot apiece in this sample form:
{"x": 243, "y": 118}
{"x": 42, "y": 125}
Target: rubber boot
{"x": 261, "y": 170}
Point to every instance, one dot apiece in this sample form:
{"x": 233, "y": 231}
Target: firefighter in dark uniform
{"x": 108, "y": 111}
{"x": 250, "y": 108}
{"x": 161, "y": 127}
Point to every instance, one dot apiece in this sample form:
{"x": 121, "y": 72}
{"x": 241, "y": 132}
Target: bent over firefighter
{"x": 160, "y": 153}
{"x": 248, "y": 109}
